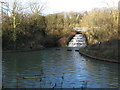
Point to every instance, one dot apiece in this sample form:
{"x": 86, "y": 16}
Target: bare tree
{"x": 36, "y": 7}
{"x": 13, "y": 10}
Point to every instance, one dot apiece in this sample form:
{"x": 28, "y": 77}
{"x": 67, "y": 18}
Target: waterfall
{"x": 78, "y": 41}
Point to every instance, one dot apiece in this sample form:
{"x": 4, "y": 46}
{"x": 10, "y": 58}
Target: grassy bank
{"x": 106, "y": 50}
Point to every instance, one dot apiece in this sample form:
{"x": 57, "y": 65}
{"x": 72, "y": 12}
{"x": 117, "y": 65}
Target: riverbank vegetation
{"x": 106, "y": 50}
{"x": 103, "y": 37}
{"x": 31, "y": 30}
{"x": 102, "y": 24}
{"x": 27, "y": 28}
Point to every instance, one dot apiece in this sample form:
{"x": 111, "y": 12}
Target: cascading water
{"x": 78, "y": 41}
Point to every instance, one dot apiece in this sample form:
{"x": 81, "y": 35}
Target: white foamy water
{"x": 77, "y": 41}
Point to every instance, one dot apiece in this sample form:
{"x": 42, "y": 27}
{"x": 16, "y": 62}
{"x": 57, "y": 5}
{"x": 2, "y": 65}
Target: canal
{"x": 58, "y": 68}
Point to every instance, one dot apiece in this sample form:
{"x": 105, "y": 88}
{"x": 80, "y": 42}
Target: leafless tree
{"x": 36, "y": 7}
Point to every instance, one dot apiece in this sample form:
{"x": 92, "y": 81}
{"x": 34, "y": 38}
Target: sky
{"x": 55, "y": 6}
{"x": 76, "y": 5}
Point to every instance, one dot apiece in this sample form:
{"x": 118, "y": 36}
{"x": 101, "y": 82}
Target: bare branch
{"x": 36, "y": 7}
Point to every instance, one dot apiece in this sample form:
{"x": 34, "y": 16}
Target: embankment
{"x": 106, "y": 51}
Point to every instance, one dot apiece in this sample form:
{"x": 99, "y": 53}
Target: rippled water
{"x": 57, "y": 68}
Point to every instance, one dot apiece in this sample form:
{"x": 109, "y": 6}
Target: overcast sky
{"x": 53, "y": 6}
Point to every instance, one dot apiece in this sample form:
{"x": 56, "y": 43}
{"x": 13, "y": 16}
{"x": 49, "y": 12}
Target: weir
{"x": 77, "y": 41}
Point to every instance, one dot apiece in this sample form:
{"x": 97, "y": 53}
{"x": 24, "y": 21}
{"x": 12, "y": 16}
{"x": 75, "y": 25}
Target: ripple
{"x": 50, "y": 64}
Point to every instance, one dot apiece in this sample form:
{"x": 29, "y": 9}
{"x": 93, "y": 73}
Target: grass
{"x": 107, "y": 49}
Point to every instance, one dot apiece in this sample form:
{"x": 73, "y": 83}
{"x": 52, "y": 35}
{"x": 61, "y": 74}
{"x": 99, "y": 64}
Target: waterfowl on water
{"x": 23, "y": 78}
{"x": 40, "y": 79}
{"x": 55, "y": 85}
{"x": 69, "y": 50}
{"x": 77, "y": 50}
{"x": 63, "y": 76}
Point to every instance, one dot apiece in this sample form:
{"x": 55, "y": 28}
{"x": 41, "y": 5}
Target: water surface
{"x": 57, "y": 68}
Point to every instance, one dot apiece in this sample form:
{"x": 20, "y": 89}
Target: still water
{"x": 57, "y": 68}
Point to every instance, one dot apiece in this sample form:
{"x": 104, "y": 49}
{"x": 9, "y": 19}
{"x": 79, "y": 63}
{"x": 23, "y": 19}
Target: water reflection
{"x": 57, "y": 68}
